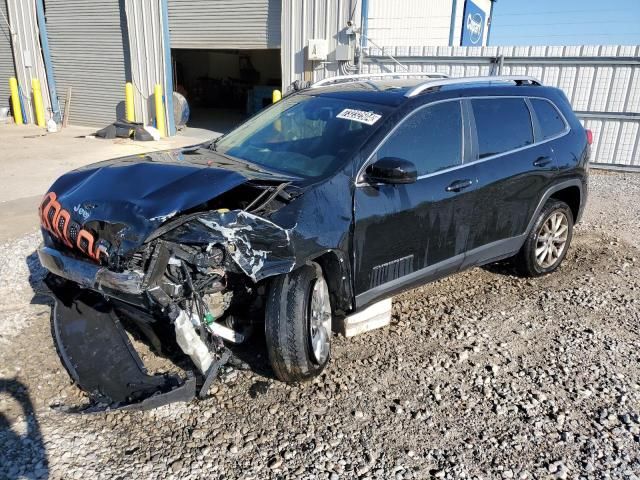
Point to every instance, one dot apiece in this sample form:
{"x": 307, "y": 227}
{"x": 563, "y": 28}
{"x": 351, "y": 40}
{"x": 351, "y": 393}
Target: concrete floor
{"x": 31, "y": 159}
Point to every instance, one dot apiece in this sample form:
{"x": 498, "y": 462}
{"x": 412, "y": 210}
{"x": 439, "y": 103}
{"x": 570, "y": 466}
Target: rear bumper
{"x": 90, "y": 275}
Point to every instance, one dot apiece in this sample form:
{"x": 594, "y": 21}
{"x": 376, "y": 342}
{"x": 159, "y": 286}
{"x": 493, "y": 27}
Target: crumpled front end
{"x": 200, "y": 273}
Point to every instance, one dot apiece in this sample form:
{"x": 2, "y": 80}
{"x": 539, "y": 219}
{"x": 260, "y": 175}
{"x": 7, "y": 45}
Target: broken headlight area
{"x": 202, "y": 277}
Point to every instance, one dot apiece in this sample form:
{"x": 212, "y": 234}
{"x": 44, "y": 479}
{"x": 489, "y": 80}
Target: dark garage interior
{"x": 223, "y": 87}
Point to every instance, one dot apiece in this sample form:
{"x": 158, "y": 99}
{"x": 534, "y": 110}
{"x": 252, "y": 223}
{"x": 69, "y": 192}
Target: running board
{"x": 375, "y": 316}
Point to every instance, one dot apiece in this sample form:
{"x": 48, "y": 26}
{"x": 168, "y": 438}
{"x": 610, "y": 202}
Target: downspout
{"x": 364, "y": 24}
{"x": 490, "y": 21}
{"x": 48, "y": 64}
{"x": 168, "y": 70}
{"x": 452, "y": 28}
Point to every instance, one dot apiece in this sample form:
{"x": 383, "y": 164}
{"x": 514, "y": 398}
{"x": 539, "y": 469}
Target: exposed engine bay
{"x": 200, "y": 272}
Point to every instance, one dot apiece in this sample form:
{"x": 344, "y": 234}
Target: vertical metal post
{"x": 48, "y": 63}
{"x": 15, "y": 101}
{"x": 168, "y": 68}
{"x": 364, "y": 25}
{"x": 490, "y": 21}
{"x": 452, "y": 28}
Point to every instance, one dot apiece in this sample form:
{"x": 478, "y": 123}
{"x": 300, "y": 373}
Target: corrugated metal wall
{"x": 305, "y": 19}
{"x": 416, "y": 22}
{"x": 602, "y": 83}
{"x": 410, "y": 22}
{"x": 28, "y": 54}
{"x": 146, "y": 44}
{"x": 224, "y": 24}
{"x": 6, "y": 55}
{"x": 89, "y": 55}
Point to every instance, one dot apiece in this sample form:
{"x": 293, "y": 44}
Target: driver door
{"x": 407, "y": 234}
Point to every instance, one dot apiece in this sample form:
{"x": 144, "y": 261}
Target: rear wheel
{"x": 547, "y": 244}
{"x": 298, "y": 324}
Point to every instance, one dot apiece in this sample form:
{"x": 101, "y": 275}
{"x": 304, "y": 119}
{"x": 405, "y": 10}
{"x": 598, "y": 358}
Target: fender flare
{"x": 574, "y": 182}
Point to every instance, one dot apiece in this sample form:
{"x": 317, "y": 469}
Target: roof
{"x": 384, "y": 92}
{"x": 394, "y": 92}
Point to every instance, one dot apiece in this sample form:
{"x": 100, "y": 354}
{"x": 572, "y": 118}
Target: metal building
{"x": 224, "y": 56}
{"x": 87, "y": 42}
{"x": 6, "y": 55}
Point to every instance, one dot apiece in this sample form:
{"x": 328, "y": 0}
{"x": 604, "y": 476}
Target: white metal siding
{"x": 417, "y": 22}
{"x": 305, "y": 19}
{"x": 224, "y": 24}
{"x": 6, "y": 56}
{"x": 86, "y": 43}
{"x": 410, "y": 22}
{"x": 28, "y": 60}
{"x": 146, "y": 44}
{"x": 601, "y": 82}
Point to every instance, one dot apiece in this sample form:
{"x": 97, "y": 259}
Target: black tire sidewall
{"x": 530, "y": 245}
{"x": 287, "y": 325}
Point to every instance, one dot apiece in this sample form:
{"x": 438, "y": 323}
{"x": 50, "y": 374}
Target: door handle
{"x": 459, "y": 185}
{"x": 542, "y": 162}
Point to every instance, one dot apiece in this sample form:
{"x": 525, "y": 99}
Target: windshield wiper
{"x": 213, "y": 145}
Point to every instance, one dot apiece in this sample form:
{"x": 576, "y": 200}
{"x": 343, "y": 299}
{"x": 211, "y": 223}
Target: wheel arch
{"x": 337, "y": 274}
{"x": 572, "y": 196}
{"x": 561, "y": 190}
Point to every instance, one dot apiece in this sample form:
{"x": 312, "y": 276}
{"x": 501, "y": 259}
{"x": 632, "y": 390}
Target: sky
{"x": 566, "y": 22}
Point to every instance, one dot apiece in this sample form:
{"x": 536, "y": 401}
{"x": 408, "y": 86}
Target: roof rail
{"x": 365, "y": 76}
{"x": 517, "y": 79}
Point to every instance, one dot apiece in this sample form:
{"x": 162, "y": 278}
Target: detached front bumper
{"x": 90, "y": 275}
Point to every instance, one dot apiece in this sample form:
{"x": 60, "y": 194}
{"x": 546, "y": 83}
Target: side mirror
{"x": 391, "y": 170}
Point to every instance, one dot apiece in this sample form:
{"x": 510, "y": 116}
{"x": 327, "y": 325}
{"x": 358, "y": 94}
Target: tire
{"x": 528, "y": 260}
{"x": 291, "y": 326}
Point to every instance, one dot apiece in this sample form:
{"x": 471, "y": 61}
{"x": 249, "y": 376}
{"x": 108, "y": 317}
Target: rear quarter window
{"x": 502, "y": 124}
{"x": 549, "y": 118}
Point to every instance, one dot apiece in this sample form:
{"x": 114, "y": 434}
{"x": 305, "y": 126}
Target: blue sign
{"x": 473, "y": 24}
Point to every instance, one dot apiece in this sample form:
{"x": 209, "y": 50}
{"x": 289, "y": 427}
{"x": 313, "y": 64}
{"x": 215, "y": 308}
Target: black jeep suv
{"x": 323, "y": 204}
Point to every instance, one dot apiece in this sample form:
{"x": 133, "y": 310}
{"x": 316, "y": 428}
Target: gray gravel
{"x": 480, "y": 375}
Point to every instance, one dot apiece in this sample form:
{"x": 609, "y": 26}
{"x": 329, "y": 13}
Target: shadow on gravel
{"x": 41, "y": 294}
{"x": 503, "y": 267}
{"x": 22, "y": 451}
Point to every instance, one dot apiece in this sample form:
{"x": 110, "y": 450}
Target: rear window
{"x": 549, "y": 118}
{"x": 503, "y": 124}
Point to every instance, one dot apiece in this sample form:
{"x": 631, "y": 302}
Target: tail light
{"x": 589, "y": 136}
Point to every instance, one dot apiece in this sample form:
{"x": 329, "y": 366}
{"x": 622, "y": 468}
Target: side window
{"x": 549, "y": 118}
{"x": 502, "y": 124}
{"x": 430, "y": 138}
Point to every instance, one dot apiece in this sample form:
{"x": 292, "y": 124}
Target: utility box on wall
{"x": 317, "y": 49}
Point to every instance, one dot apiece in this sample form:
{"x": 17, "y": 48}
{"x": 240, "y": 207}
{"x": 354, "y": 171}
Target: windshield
{"x": 303, "y": 135}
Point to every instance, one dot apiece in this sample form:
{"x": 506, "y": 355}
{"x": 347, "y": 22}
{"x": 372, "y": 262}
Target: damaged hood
{"x": 126, "y": 199}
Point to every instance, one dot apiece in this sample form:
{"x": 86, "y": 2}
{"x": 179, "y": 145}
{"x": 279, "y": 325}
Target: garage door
{"x": 220, "y": 24}
{"x": 6, "y": 56}
{"x": 86, "y": 43}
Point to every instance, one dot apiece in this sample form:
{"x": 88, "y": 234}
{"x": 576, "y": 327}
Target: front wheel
{"x": 298, "y": 324}
{"x": 548, "y": 242}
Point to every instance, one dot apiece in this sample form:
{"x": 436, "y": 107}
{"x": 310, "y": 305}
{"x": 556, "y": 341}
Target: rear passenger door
{"x": 514, "y": 169}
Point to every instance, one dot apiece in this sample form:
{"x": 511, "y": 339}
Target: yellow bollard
{"x": 38, "y": 106}
{"x": 128, "y": 102}
{"x": 276, "y": 96}
{"x": 157, "y": 93}
{"x": 15, "y": 101}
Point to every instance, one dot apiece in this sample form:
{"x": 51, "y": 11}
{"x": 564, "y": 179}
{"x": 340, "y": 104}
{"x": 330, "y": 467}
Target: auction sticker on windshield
{"x": 359, "y": 116}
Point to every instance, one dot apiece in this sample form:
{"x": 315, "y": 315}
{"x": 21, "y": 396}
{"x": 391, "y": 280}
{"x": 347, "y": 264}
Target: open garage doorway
{"x": 224, "y": 87}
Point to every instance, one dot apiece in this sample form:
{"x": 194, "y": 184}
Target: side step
{"x": 375, "y": 316}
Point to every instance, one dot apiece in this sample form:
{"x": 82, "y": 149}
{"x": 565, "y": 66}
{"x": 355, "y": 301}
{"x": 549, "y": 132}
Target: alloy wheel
{"x": 552, "y": 239}
{"x": 320, "y": 321}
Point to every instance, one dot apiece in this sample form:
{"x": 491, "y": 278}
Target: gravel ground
{"x": 481, "y": 375}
